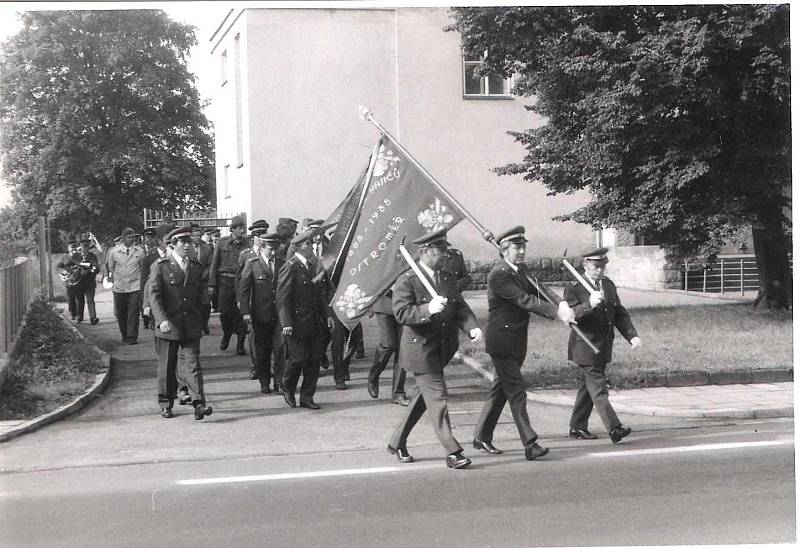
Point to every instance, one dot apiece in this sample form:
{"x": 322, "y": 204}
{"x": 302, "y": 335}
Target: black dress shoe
{"x": 347, "y": 376}
{"x": 167, "y": 413}
{"x": 226, "y": 339}
{"x": 265, "y": 389}
{"x": 94, "y": 321}
{"x": 619, "y": 432}
{"x": 400, "y": 399}
{"x": 486, "y": 446}
{"x": 132, "y": 340}
{"x": 533, "y": 451}
{"x": 277, "y": 389}
{"x": 372, "y": 388}
{"x": 240, "y": 351}
{"x": 581, "y": 434}
{"x": 401, "y": 453}
{"x": 79, "y": 320}
{"x": 325, "y": 362}
{"x": 341, "y": 386}
{"x": 309, "y": 404}
{"x": 457, "y": 460}
{"x": 202, "y": 410}
{"x": 289, "y": 398}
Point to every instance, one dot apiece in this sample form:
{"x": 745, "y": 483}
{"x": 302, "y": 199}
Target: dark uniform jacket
{"x": 511, "y": 301}
{"x": 597, "y": 323}
{"x": 225, "y": 257}
{"x": 301, "y": 303}
{"x": 147, "y": 262}
{"x": 79, "y": 273}
{"x": 429, "y": 342}
{"x": 244, "y": 256}
{"x": 256, "y": 290}
{"x": 204, "y": 256}
{"x": 177, "y": 298}
{"x": 453, "y": 264}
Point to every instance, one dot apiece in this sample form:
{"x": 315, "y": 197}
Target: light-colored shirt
{"x": 125, "y": 265}
{"x": 180, "y": 260}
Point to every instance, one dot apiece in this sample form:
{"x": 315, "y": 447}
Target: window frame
{"x": 507, "y": 82}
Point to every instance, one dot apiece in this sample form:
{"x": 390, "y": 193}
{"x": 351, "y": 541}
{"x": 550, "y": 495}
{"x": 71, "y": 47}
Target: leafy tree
{"x": 101, "y": 118}
{"x": 676, "y": 118}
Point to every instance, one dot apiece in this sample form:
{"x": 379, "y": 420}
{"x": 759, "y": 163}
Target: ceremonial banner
{"x": 394, "y": 200}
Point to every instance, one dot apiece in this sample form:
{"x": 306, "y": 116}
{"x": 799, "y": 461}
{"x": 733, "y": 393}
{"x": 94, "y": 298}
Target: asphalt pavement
{"x": 257, "y": 473}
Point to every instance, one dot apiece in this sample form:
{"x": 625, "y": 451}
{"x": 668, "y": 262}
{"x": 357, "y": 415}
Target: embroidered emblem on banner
{"x": 437, "y": 216}
{"x": 352, "y": 301}
{"x": 386, "y": 162}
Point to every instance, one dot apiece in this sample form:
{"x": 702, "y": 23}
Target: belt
{"x": 227, "y": 275}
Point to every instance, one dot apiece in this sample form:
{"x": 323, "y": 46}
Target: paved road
{"x": 257, "y": 473}
{"x": 723, "y": 484}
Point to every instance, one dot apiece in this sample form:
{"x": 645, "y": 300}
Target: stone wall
{"x": 546, "y": 270}
{"x": 648, "y": 267}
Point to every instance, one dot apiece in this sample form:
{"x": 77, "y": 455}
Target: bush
{"x": 52, "y": 364}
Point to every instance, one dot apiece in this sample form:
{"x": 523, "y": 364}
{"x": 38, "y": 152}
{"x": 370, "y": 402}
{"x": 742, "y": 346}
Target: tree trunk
{"x": 772, "y": 247}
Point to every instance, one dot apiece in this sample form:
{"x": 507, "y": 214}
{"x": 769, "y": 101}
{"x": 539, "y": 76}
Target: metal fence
{"x": 17, "y": 283}
{"x": 730, "y": 274}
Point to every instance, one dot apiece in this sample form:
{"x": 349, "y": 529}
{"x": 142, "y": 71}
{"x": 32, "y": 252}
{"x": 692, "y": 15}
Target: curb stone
{"x": 93, "y": 392}
{"x": 702, "y": 379}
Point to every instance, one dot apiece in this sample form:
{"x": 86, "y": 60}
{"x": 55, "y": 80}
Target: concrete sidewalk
{"x": 711, "y": 401}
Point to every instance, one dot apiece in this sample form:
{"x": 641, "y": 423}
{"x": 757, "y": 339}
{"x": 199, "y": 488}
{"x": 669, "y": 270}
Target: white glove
{"x": 436, "y": 305}
{"x": 595, "y": 298}
{"x": 475, "y": 334}
{"x": 246, "y": 318}
{"x": 164, "y": 327}
{"x": 146, "y": 311}
{"x": 636, "y": 342}
{"x": 565, "y": 313}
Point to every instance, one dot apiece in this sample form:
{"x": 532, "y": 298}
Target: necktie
{"x": 182, "y": 263}
{"x": 436, "y": 279}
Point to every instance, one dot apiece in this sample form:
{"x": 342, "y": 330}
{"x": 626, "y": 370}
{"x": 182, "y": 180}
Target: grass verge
{"x": 52, "y": 366}
{"x": 677, "y": 339}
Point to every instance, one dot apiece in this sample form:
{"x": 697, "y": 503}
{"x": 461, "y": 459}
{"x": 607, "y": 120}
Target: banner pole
{"x": 547, "y": 294}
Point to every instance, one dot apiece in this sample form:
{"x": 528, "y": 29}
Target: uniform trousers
{"x": 72, "y": 300}
{"x": 593, "y": 392}
{"x": 168, "y": 375}
{"x": 127, "y": 306}
{"x": 84, "y": 297}
{"x": 304, "y": 357}
{"x": 229, "y": 315}
{"x": 389, "y": 332}
{"x": 263, "y": 337}
{"x": 507, "y": 386}
{"x": 339, "y": 355}
{"x": 433, "y": 397}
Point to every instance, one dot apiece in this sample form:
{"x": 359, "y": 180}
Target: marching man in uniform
{"x": 304, "y": 320}
{"x": 178, "y": 296}
{"x": 597, "y": 314}
{"x": 428, "y": 342}
{"x": 512, "y": 299}
{"x": 256, "y": 289}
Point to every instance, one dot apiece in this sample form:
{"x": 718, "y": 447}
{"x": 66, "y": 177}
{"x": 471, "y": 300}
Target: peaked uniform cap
{"x": 261, "y": 223}
{"x": 258, "y": 231}
{"x": 270, "y": 237}
{"x": 437, "y": 238}
{"x": 149, "y": 232}
{"x": 514, "y": 235}
{"x": 182, "y": 232}
{"x": 597, "y": 254}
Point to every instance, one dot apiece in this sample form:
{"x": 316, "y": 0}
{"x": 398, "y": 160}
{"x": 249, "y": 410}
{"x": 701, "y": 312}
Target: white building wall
{"x": 308, "y": 70}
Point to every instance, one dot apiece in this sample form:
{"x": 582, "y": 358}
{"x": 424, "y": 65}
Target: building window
{"x": 237, "y": 80}
{"x": 493, "y": 85}
{"x": 223, "y": 66}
